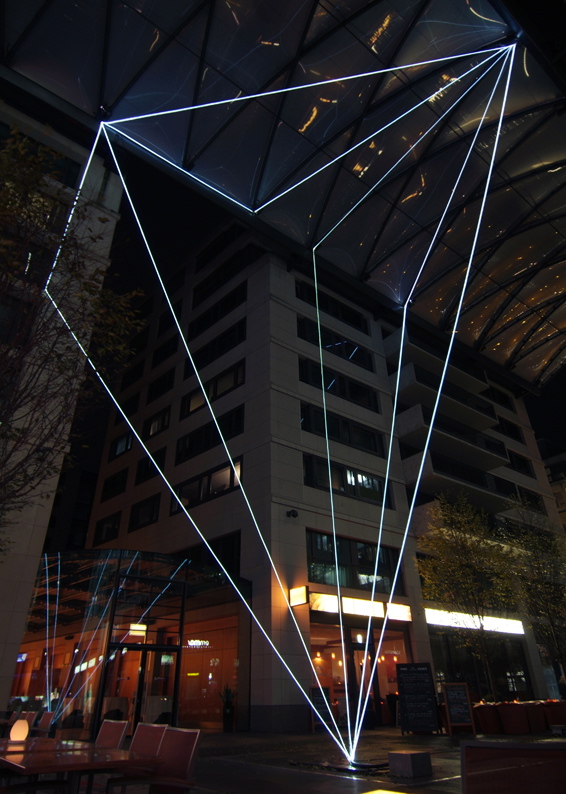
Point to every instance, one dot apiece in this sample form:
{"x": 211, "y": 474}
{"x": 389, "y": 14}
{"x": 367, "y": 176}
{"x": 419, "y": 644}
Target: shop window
{"x": 114, "y": 485}
{"x": 335, "y": 343}
{"x": 225, "y": 382}
{"x": 156, "y": 423}
{"x": 107, "y": 529}
{"x": 144, "y": 513}
{"x": 120, "y": 445}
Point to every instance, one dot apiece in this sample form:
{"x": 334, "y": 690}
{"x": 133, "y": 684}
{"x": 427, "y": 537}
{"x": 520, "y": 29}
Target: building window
{"x": 144, "y": 513}
{"x": 345, "y": 480}
{"x": 120, "y": 445}
{"x": 340, "y": 385}
{"x": 129, "y": 407}
{"x": 531, "y": 500}
{"x": 221, "y": 344}
{"x": 132, "y": 374}
{"x": 206, "y": 437}
{"x": 356, "y": 563}
{"x": 160, "y": 386}
{"x": 107, "y": 529}
{"x": 145, "y": 469}
{"x": 509, "y": 429}
{"x": 223, "y": 383}
{"x": 334, "y": 343}
{"x": 501, "y": 398}
{"x": 227, "y": 550}
{"x": 339, "y": 429}
{"x": 218, "y": 311}
{"x": 165, "y": 350}
{"x": 114, "y": 485}
{"x": 217, "y": 246}
{"x": 206, "y": 486}
{"x": 228, "y": 270}
{"x": 520, "y": 464}
{"x": 156, "y": 423}
{"x": 166, "y": 320}
{"x": 332, "y": 306}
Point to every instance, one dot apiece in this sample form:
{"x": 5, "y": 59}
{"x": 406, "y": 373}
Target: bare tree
{"x": 41, "y": 368}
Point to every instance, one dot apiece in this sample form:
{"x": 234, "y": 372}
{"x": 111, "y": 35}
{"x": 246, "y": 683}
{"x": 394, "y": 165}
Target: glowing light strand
{"x": 223, "y": 441}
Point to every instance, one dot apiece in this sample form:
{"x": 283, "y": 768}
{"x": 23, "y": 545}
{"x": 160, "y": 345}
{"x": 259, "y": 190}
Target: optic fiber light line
{"x": 74, "y": 206}
{"x": 275, "y": 92}
{"x": 108, "y": 125}
{"x": 445, "y": 89}
{"x": 509, "y": 59}
{"x": 65, "y": 689}
{"x": 408, "y": 302}
{"x": 207, "y": 400}
{"x": 57, "y": 592}
{"x": 332, "y": 511}
{"x": 500, "y": 56}
{"x": 337, "y": 738}
{"x": 46, "y": 629}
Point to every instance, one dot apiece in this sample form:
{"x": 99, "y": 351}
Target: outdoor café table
{"x": 38, "y": 759}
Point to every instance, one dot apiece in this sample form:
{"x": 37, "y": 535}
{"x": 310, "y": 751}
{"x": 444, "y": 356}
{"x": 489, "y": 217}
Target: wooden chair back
{"x": 45, "y": 721}
{"x": 147, "y": 738}
{"x": 111, "y": 734}
{"x": 29, "y": 717}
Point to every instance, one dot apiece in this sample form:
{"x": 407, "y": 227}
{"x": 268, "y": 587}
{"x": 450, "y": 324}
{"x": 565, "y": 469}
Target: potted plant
{"x": 228, "y": 697}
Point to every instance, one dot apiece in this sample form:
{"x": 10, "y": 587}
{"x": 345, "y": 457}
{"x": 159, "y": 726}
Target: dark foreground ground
{"x": 241, "y": 763}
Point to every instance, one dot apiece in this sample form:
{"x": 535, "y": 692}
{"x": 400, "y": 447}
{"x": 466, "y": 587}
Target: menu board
{"x": 458, "y": 705}
{"x": 417, "y": 701}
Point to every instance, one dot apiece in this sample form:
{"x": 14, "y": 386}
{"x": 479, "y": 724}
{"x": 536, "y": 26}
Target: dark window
{"x": 129, "y": 407}
{"x": 218, "y": 311}
{"x": 206, "y": 486}
{"x": 356, "y": 563}
{"x": 509, "y": 429}
{"x": 114, "y": 485}
{"x": 145, "y": 469}
{"x": 520, "y": 464}
{"x": 156, "y": 423}
{"x": 223, "y": 383}
{"x": 221, "y": 344}
{"x": 226, "y": 271}
{"x": 166, "y": 319}
{"x": 340, "y": 385}
{"x": 343, "y": 430}
{"x": 165, "y": 350}
{"x": 132, "y": 374}
{"x": 222, "y": 241}
{"x": 226, "y": 549}
{"x": 175, "y": 282}
{"x": 500, "y": 397}
{"x": 329, "y": 305}
{"x": 346, "y": 481}
{"x": 120, "y": 445}
{"x": 139, "y": 341}
{"x": 160, "y": 386}
{"x": 531, "y": 499}
{"x": 107, "y": 529}
{"x": 206, "y": 437}
{"x": 334, "y": 343}
{"x": 144, "y": 513}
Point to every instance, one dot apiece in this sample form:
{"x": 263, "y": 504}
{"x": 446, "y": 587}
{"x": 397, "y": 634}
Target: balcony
{"x": 451, "y": 438}
{"x": 471, "y": 378}
{"x": 440, "y": 474}
{"x": 418, "y": 385}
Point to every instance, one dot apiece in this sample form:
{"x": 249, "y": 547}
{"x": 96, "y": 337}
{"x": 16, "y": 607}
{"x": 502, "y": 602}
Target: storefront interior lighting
{"x": 137, "y": 630}
{"x": 460, "y": 620}
{"x": 361, "y": 606}
{"x": 19, "y": 731}
{"x": 323, "y": 602}
{"x": 298, "y": 596}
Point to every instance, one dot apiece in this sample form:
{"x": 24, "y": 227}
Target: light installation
{"x": 498, "y": 61}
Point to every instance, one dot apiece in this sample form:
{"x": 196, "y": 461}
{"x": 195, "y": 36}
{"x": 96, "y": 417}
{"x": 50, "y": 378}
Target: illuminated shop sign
{"x": 325, "y": 602}
{"x": 198, "y": 643}
{"x": 460, "y": 620}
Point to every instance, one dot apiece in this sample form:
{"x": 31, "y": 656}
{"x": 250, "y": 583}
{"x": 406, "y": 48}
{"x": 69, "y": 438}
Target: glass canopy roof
{"x": 417, "y": 144}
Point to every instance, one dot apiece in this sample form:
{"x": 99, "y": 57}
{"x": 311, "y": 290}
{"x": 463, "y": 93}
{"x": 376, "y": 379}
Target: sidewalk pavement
{"x": 243, "y": 763}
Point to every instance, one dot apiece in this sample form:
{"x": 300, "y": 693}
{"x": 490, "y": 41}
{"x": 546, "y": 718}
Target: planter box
{"x": 513, "y": 718}
{"x": 536, "y": 717}
{"x": 487, "y": 718}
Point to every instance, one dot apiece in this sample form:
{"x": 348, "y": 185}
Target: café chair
{"x": 111, "y": 734}
{"x": 44, "y": 725}
{"x": 177, "y": 756}
{"x": 146, "y": 740}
